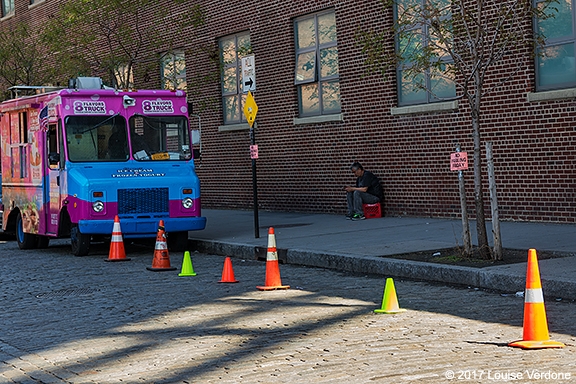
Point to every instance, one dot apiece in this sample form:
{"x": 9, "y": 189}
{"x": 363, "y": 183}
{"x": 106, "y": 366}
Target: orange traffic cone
{"x": 161, "y": 261}
{"x": 272, "y": 280}
{"x": 117, "y": 252}
{"x": 535, "y": 333}
{"x": 228, "y": 272}
{"x": 390, "y": 300}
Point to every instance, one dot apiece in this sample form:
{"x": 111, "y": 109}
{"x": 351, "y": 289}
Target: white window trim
{"x": 425, "y": 108}
{"x": 534, "y": 97}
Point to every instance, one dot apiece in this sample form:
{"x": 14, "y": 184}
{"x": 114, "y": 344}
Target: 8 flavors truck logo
{"x": 157, "y": 106}
{"x": 89, "y": 107}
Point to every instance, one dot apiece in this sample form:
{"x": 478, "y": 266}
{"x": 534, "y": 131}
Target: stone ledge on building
{"x": 560, "y": 94}
{"x": 425, "y": 108}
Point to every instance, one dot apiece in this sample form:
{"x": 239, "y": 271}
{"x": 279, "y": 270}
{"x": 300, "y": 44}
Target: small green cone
{"x": 389, "y": 301}
{"x": 187, "y": 269}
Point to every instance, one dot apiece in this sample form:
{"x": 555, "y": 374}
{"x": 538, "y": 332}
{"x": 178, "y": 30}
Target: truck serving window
{"x": 96, "y": 138}
{"x": 160, "y": 138}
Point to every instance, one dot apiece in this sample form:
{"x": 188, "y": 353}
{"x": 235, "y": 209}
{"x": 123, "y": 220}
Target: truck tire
{"x": 42, "y": 242}
{"x": 80, "y": 242}
{"x": 25, "y": 240}
{"x": 178, "y": 241}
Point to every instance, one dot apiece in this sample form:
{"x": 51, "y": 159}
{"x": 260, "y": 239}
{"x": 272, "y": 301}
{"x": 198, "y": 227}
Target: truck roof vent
{"x": 86, "y": 83}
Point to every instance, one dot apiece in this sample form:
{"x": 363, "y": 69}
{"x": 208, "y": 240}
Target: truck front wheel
{"x": 79, "y": 241}
{"x": 25, "y": 240}
{"x": 178, "y": 241}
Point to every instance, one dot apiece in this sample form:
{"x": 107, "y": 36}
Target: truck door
{"x": 52, "y": 183}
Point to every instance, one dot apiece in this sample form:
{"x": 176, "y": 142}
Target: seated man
{"x": 367, "y": 191}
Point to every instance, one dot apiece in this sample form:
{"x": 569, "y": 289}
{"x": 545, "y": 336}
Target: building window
{"x": 232, "y": 49}
{"x": 316, "y": 74}
{"x": 555, "y": 64}
{"x": 435, "y": 84}
{"x": 7, "y": 7}
{"x": 124, "y": 76}
{"x": 173, "y": 71}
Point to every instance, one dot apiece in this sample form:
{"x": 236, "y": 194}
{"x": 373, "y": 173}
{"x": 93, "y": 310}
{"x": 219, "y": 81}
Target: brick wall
{"x": 304, "y": 167}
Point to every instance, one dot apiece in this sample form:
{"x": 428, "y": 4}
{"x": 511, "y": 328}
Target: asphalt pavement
{"x": 330, "y": 241}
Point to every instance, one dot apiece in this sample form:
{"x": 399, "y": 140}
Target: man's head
{"x": 357, "y": 169}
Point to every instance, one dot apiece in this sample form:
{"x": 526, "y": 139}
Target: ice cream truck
{"x": 73, "y": 159}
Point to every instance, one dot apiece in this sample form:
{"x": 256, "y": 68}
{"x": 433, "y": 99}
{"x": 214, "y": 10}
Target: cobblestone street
{"x": 69, "y": 319}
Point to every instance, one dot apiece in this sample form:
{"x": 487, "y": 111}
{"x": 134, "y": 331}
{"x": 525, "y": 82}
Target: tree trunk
{"x": 483, "y": 246}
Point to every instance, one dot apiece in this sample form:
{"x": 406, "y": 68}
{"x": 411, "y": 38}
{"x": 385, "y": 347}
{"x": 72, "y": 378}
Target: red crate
{"x": 372, "y": 211}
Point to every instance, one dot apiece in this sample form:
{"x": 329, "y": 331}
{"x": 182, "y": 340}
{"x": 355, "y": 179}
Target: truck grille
{"x": 142, "y": 201}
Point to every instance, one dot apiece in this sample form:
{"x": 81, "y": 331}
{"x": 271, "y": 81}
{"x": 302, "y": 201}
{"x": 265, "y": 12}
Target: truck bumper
{"x": 142, "y": 228}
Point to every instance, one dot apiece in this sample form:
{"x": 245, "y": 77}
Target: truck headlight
{"x": 187, "y": 202}
{"x": 98, "y": 206}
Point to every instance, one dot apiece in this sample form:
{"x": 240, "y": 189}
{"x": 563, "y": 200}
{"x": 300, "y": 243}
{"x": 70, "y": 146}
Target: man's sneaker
{"x": 349, "y": 216}
{"x": 358, "y": 216}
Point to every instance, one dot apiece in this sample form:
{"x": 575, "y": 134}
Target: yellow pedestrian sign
{"x": 250, "y": 109}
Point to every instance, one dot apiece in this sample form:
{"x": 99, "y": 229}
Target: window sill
{"x": 233, "y": 127}
{"x": 36, "y": 3}
{"x": 425, "y": 108}
{"x": 568, "y": 93}
{"x": 7, "y": 17}
{"x": 318, "y": 119}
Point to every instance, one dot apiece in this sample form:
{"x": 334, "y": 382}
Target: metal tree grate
{"x": 67, "y": 292}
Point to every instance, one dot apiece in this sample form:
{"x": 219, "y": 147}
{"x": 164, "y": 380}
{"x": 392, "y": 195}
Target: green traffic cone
{"x": 389, "y": 301}
{"x": 187, "y": 268}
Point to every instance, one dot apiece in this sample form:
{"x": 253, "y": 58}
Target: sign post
{"x": 459, "y": 162}
{"x": 250, "y": 111}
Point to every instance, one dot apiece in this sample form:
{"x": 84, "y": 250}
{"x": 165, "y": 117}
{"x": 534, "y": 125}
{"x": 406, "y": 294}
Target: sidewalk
{"x": 330, "y": 241}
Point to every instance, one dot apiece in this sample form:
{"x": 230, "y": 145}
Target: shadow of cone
{"x": 117, "y": 252}
{"x": 187, "y": 269}
{"x": 390, "y": 300}
{"x": 228, "y": 272}
{"x": 272, "y": 280}
{"x": 535, "y": 327}
{"x": 161, "y": 261}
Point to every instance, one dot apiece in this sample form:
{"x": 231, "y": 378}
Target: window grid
{"x": 173, "y": 71}
{"x": 7, "y": 7}
{"x": 317, "y": 72}
{"x": 556, "y": 60}
{"x": 427, "y": 87}
{"x": 232, "y": 49}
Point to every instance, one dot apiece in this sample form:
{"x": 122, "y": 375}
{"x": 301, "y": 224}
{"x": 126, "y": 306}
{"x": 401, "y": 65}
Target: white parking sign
{"x": 248, "y": 74}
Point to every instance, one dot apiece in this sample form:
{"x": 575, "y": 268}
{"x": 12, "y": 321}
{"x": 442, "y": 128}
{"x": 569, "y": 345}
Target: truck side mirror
{"x": 53, "y": 158}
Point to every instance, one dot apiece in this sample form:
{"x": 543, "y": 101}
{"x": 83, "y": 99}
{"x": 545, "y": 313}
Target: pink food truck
{"x": 72, "y": 159}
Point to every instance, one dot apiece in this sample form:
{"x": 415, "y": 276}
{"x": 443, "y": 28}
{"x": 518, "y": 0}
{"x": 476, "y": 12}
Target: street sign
{"x": 250, "y": 109}
{"x": 248, "y": 74}
{"x": 458, "y": 161}
{"x": 254, "y": 151}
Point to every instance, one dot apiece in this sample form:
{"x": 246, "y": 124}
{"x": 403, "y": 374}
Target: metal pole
{"x": 465, "y": 224}
{"x": 255, "y": 184}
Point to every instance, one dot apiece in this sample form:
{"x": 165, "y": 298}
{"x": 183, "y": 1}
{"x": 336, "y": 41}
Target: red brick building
{"x": 318, "y": 111}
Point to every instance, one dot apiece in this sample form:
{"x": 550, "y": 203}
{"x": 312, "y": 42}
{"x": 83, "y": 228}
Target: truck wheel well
{"x": 11, "y": 225}
{"x": 65, "y": 224}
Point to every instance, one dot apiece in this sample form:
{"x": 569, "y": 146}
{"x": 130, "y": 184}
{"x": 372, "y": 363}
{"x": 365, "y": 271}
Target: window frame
{"x": 225, "y": 67}
{"x": 178, "y": 80}
{"x": 551, "y": 43}
{"x": 317, "y": 78}
{"x": 429, "y": 96}
{"x": 9, "y": 12}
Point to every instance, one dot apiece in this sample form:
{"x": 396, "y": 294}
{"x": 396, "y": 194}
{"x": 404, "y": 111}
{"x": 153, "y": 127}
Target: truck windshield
{"x": 160, "y": 138}
{"x": 96, "y": 138}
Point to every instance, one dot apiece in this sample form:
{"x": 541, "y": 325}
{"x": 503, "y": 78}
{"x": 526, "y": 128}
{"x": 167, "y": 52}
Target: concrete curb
{"x": 449, "y": 274}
